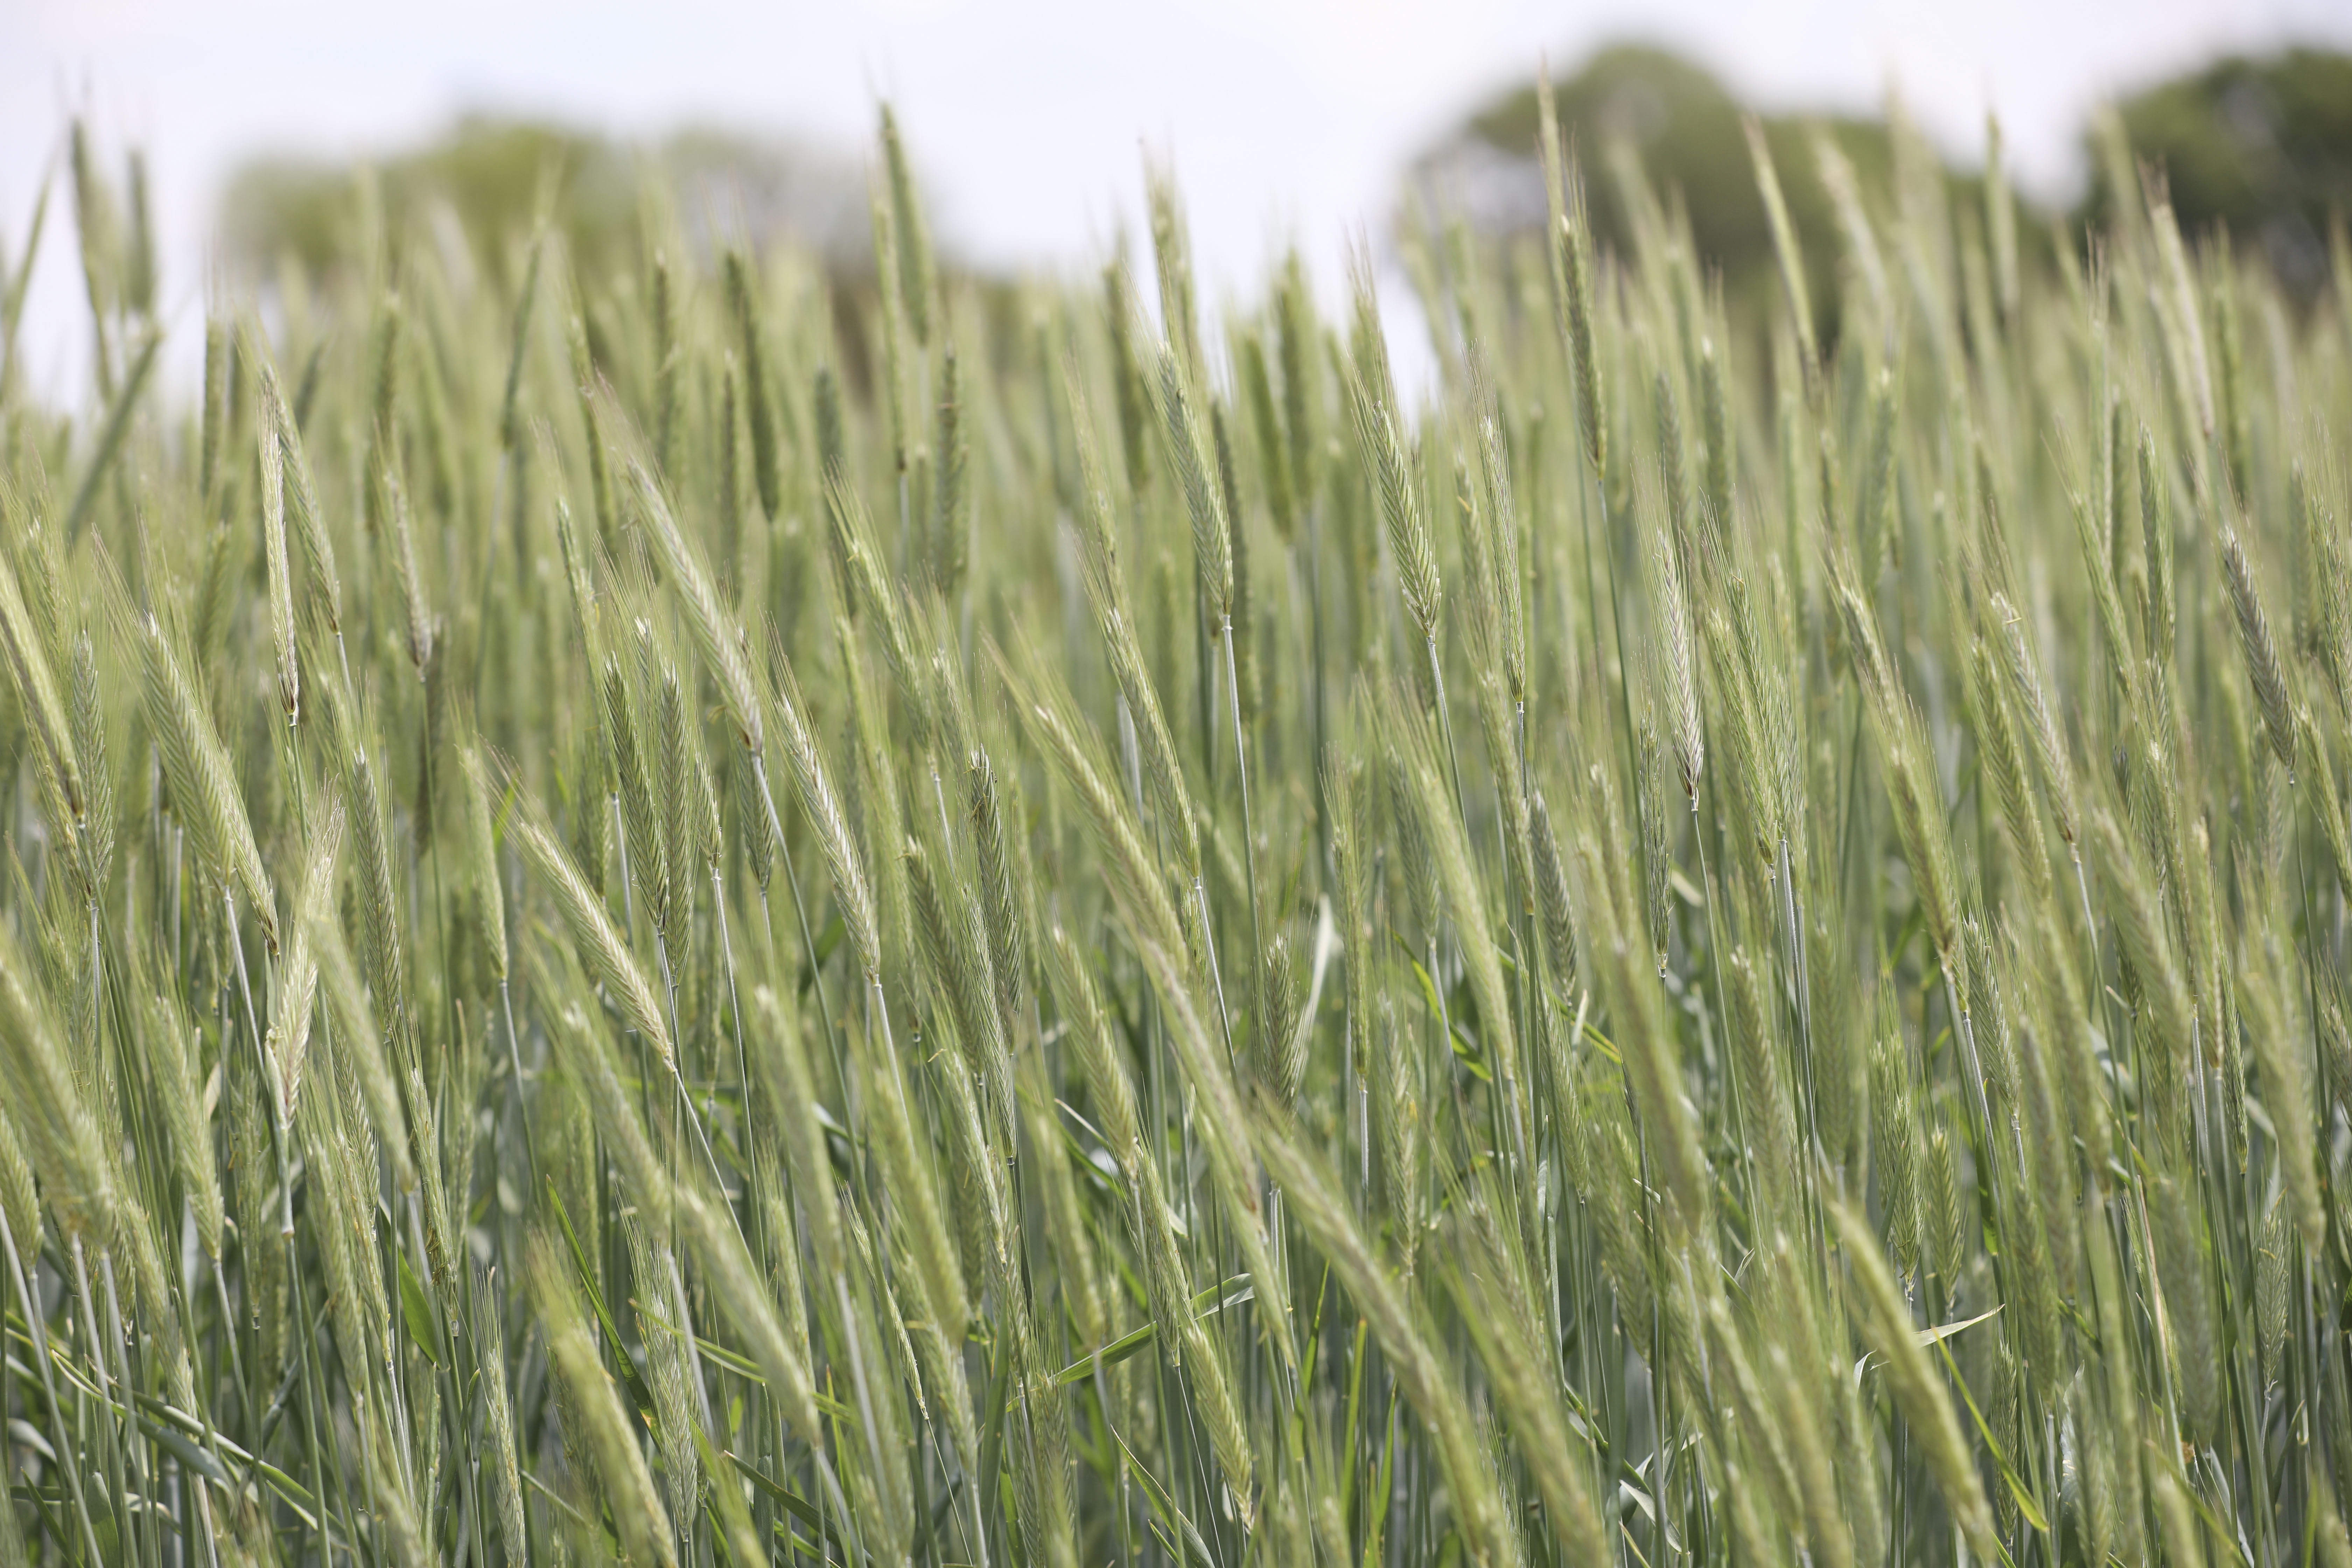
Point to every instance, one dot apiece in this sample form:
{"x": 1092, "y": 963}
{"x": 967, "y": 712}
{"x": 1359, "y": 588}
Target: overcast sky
{"x": 1284, "y": 118}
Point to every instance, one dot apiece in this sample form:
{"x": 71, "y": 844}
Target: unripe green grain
{"x": 743, "y": 306}
{"x": 1919, "y": 1392}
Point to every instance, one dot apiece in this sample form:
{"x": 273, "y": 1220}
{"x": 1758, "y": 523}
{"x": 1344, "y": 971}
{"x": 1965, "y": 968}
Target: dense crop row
{"x": 713, "y": 916}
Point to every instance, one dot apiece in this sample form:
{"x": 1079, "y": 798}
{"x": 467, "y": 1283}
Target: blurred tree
{"x": 1684, "y": 127}
{"x": 2260, "y": 146}
{"x": 489, "y": 174}
{"x": 2263, "y": 146}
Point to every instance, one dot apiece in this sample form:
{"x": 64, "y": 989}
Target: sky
{"x": 1286, "y": 121}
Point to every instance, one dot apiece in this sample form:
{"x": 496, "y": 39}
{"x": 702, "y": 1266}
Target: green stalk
{"x": 37, "y": 1324}
{"x": 286, "y": 1230}
{"x": 800, "y": 910}
{"x": 115, "y": 1441}
{"x": 1241, "y": 776}
{"x": 514, "y": 1062}
{"x": 137, "y": 1443}
{"x": 1446, "y": 728}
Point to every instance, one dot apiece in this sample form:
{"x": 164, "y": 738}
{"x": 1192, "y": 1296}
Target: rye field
{"x": 712, "y": 913}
